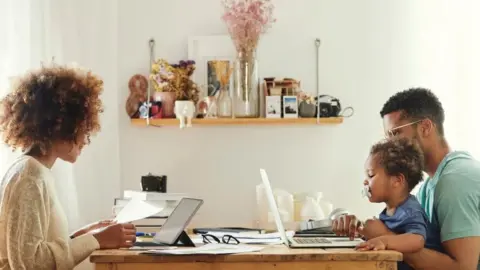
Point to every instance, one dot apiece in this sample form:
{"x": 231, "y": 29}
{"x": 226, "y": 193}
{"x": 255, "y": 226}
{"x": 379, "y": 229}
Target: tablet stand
{"x": 183, "y": 240}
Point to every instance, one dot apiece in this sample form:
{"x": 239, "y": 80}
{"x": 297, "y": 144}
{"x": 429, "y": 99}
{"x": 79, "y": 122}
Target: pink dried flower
{"x": 246, "y": 20}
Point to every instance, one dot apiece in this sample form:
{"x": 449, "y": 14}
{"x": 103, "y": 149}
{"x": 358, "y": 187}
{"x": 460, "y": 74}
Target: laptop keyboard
{"x": 311, "y": 240}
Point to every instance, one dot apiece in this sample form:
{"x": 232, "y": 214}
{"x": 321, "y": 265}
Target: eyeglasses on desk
{"x": 225, "y": 239}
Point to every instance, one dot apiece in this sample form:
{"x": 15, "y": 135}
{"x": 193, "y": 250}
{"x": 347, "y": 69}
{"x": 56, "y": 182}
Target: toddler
{"x": 394, "y": 167}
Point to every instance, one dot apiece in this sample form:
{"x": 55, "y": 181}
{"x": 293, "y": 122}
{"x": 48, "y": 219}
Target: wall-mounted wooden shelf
{"x": 241, "y": 121}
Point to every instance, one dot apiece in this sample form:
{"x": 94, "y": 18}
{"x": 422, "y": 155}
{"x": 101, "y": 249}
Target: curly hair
{"x": 400, "y": 156}
{"x": 417, "y": 104}
{"x": 51, "y": 104}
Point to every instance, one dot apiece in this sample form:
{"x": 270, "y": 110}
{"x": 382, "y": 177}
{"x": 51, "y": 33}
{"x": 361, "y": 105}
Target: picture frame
{"x": 212, "y": 82}
{"x": 273, "y": 106}
{"x": 290, "y": 107}
{"x": 203, "y": 49}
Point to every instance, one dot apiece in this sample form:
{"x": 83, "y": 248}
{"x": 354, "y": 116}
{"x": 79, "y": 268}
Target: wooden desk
{"x": 272, "y": 257}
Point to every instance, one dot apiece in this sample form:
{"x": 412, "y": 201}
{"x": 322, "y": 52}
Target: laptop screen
{"x": 273, "y": 206}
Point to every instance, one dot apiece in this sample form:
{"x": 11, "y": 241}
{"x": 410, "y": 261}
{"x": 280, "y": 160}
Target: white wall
{"x": 370, "y": 49}
{"x": 88, "y": 36}
{"x": 365, "y": 57}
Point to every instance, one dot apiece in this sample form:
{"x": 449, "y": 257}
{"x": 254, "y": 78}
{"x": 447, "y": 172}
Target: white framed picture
{"x": 212, "y": 79}
{"x": 273, "y": 106}
{"x": 202, "y": 50}
{"x": 290, "y": 107}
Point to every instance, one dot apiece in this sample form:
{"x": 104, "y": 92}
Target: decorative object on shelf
{"x": 281, "y": 86}
{"x": 185, "y": 112}
{"x": 204, "y": 49}
{"x": 290, "y": 107}
{"x": 246, "y": 20}
{"x": 273, "y": 105}
{"x": 144, "y": 110}
{"x": 138, "y": 95}
{"x": 172, "y": 82}
{"x": 223, "y": 70}
{"x": 156, "y": 109}
{"x": 217, "y": 70}
{"x": 167, "y": 101}
{"x": 207, "y": 108}
{"x": 306, "y": 105}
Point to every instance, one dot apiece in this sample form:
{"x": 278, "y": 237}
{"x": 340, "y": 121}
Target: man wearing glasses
{"x": 451, "y": 193}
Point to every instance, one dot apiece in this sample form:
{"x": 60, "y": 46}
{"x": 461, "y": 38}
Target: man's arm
{"x": 456, "y": 202}
{"x": 464, "y": 256}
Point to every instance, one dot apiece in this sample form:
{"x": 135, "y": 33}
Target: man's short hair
{"x": 416, "y": 104}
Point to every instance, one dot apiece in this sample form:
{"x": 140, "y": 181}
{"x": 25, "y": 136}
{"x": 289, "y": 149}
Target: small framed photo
{"x": 273, "y": 106}
{"x": 290, "y": 107}
{"x": 212, "y": 78}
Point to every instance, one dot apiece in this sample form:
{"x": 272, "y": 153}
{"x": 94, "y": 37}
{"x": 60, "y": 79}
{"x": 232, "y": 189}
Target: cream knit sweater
{"x": 33, "y": 226}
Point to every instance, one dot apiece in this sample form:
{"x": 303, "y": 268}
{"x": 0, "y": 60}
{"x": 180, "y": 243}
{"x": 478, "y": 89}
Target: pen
{"x": 139, "y": 234}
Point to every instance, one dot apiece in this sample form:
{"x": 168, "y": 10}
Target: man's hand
{"x": 373, "y": 244}
{"x": 346, "y": 225}
{"x": 93, "y": 226}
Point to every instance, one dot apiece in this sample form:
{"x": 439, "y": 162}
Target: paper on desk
{"x": 208, "y": 249}
{"x": 136, "y": 210}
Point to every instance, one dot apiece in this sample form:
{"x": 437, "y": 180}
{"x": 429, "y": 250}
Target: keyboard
{"x": 311, "y": 240}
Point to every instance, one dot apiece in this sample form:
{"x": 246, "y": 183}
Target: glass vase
{"x": 246, "y": 100}
{"x": 224, "y": 103}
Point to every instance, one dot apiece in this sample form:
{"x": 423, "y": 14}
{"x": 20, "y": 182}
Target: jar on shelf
{"x": 246, "y": 96}
{"x": 224, "y": 103}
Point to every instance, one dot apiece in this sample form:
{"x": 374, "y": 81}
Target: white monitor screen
{"x": 177, "y": 221}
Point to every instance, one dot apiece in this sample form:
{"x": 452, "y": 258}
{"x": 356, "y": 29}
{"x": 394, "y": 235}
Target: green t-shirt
{"x": 451, "y": 197}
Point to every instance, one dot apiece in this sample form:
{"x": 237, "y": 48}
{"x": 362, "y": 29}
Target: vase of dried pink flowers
{"x": 246, "y": 21}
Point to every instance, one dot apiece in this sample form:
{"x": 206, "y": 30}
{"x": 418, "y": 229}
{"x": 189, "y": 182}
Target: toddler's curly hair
{"x": 400, "y": 156}
{"x": 56, "y": 103}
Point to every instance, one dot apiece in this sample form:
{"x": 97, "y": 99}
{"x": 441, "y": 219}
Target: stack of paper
{"x": 206, "y": 249}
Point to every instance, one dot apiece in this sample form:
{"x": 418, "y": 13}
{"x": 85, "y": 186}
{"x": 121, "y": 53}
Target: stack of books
{"x": 151, "y": 224}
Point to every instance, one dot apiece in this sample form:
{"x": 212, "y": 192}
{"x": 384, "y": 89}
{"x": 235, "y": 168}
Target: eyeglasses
{"x": 392, "y": 133}
{"x": 226, "y": 239}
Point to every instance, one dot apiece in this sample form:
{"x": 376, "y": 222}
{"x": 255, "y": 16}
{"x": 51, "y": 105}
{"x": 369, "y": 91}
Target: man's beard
{"x": 415, "y": 139}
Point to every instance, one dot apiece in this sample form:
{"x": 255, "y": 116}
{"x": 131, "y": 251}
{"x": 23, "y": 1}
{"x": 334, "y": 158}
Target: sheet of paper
{"x": 208, "y": 249}
{"x": 136, "y": 210}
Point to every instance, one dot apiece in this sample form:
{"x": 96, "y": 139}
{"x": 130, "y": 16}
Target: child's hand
{"x": 373, "y": 228}
{"x": 373, "y": 244}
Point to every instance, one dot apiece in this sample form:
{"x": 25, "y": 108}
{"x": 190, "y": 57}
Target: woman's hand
{"x": 93, "y": 226}
{"x": 116, "y": 236}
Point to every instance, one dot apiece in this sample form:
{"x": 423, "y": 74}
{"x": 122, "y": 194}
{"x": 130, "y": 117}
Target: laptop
{"x": 299, "y": 241}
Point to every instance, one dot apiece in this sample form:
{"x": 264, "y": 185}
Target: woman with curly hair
{"x": 49, "y": 114}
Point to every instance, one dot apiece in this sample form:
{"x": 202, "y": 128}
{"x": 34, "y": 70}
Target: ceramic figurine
{"x": 144, "y": 110}
{"x": 185, "y": 111}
